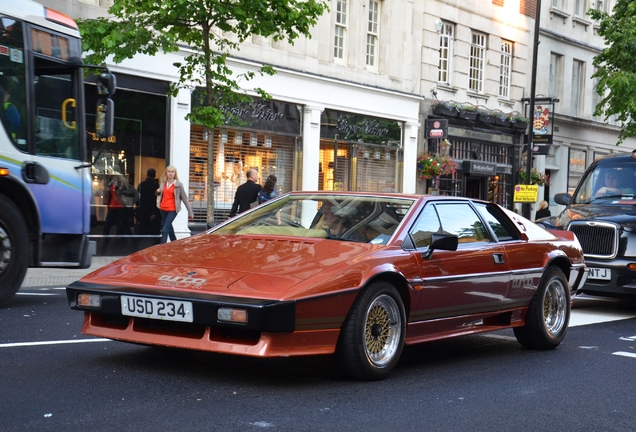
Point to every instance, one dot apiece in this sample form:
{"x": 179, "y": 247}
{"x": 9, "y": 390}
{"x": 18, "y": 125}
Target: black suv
{"x": 602, "y": 214}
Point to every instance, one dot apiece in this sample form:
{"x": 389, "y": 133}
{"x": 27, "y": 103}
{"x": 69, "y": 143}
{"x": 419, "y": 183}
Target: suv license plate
{"x": 143, "y": 307}
{"x": 600, "y": 273}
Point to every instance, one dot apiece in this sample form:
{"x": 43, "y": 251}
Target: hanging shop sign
{"x": 436, "y": 128}
{"x": 542, "y": 123}
{"x": 344, "y": 126}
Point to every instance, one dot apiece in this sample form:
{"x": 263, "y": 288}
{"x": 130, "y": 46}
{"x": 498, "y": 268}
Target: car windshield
{"x": 364, "y": 219}
{"x": 606, "y": 183}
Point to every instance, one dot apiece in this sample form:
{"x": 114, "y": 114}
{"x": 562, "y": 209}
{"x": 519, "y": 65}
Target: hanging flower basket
{"x": 501, "y": 119}
{"x": 518, "y": 121}
{"x": 484, "y": 115}
{"x": 467, "y": 111}
{"x": 446, "y": 108}
{"x": 536, "y": 177}
{"x": 435, "y": 165}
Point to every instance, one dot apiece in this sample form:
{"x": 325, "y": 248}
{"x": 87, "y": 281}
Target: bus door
{"x": 57, "y": 174}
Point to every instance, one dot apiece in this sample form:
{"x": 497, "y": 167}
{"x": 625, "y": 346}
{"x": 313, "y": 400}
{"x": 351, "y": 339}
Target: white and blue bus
{"x": 45, "y": 165}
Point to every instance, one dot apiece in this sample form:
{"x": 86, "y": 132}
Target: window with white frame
{"x": 554, "y": 85}
{"x": 556, "y": 4}
{"x": 505, "y": 69}
{"x": 595, "y": 96}
{"x": 580, "y": 7}
{"x": 340, "y": 31}
{"x": 599, "y": 5}
{"x": 476, "y": 62}
{"x": 445, "y": 53}
{"x": 576, "y": 99}
{"x": 373, "y": 32}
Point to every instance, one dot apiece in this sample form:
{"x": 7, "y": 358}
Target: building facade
{"x": 349, "y": 106}
{"x": 568, "y": 44}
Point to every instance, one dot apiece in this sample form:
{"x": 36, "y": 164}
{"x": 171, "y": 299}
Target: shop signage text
{"x": 479, "y": 135}
{"x": 354, "y": 127}
{"x": 472, "y": 167}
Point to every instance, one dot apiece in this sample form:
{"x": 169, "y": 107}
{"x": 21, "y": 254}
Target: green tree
{"x": 616, "y": 65}
{"x": 213, "y": 29}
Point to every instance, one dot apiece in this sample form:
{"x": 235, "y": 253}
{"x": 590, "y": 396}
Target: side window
{"x": 427, "y": 224}
{"x": 460, "y": 219}
{"x": 57, "y": 134}
{"x": 13, "y": 81}
{"x": 498, "y": 223}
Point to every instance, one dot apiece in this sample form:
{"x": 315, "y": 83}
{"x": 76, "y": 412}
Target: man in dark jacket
{"x": 246, "y": 193}
{"x": 148, "y": 216}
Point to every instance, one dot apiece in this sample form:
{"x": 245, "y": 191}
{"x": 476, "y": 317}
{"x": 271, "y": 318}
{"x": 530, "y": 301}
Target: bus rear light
{"x": 60, "y": 18}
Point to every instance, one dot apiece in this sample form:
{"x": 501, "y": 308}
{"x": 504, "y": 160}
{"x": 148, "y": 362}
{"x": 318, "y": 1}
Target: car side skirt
{"x": 442, "y": 328}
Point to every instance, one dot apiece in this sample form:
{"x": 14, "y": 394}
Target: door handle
{"x": 498, "y": 258}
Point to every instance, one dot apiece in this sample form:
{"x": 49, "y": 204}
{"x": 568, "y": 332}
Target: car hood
{"x": 234, "y": 265}
{"x": 622, "y": 212}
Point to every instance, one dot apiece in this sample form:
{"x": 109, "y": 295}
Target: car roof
{"x": 624, "y": 157}
{"x": 387, "y": 195}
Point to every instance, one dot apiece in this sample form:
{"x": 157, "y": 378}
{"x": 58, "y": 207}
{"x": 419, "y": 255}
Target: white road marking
{"x": 625, "y": 354}
{"x": 61, "y": 342}
{"x": 36, "y": 294}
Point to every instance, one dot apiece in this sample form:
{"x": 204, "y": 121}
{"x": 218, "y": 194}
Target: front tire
{"x": 14, "y": 249}
{"x": 548, "y": 316}
{"x": 372, "y": 337}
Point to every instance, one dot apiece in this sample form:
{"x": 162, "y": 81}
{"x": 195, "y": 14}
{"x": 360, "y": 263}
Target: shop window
{"x": 235, "y": 152}
{"x": 346, "y": 166}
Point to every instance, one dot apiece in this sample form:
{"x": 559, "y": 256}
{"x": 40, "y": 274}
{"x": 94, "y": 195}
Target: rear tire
{"x": 14, "y": 249}
{"x": 372, "y": 337}
{"x": 548, "y": 316}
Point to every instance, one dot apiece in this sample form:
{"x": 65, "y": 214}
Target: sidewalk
{"x": 36, "y": 277}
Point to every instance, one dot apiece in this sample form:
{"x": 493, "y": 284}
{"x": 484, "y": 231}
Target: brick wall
{"x": 498, "y": 2}
{"x": 528, "y": 8}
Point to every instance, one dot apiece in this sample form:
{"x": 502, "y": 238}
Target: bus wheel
{"x": 14, "y": 249}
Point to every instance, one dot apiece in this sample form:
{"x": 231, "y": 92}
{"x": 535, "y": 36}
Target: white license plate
{"x": 600, "y": 273}
{"x": 143, "y": 307}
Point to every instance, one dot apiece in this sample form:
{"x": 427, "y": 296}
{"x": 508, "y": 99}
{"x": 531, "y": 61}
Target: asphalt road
{"x": 52, "y": 378}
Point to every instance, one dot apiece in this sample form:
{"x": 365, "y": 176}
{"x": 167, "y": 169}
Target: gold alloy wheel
{"x": 382, "y": 330}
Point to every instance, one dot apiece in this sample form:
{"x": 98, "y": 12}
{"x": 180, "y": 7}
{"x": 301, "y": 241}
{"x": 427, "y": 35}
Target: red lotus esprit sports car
{"x": 355, "y": 274}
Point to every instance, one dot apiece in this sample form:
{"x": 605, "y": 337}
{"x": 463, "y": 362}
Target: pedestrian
{"x": 269, "y": 190}
{"x": 11, "y": 112}
{"x": 117, "y": 191}
{"x": 543, "y": 210}
{"x": 148, "y": 214}
{"x": 247, "y": 193}
{"x": 169, "y": 197}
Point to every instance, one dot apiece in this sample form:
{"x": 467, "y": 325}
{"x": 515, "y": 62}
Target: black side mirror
{"x": 563, "y": 198}
{"x": 104, "y": 120}
{"x": 442, "y": 242}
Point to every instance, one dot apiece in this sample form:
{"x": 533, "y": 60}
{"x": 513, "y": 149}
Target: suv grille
{"x": 599, "y": 240}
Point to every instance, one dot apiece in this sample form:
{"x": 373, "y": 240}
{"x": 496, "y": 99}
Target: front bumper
{"x": 621, "y": 284}
{"x": 263, "y": 315}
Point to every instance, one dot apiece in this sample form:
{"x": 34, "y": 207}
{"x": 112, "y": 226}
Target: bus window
{"x": 12, "y": 81}
{"x": 56, "y": 110}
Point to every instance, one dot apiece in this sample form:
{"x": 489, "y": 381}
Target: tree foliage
{"x": 209, "y": 30}
{"x": 616, "y": 65}
{"x": 212, "y": 28}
